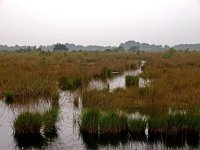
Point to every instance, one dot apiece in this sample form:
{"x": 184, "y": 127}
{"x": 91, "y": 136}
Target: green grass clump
{"x": 111, "y": 123}
{"x": 123, "y": 122}
{"x": 90, "y": 121}
{"x": 131, "y": 80}
{"x": 193, "y": 121}
{"x": 136, "y": 125}
{"x": 9, "y": 97}
{"x": 169, "y": 53}
{"x": 106, "y": 73}
{"x": 157, "y": 124}
{"x": 49, "y": 119}
{"x": 143, "y": 91}
{"x": 177, "y": 120}
{"x": 66, "y": 83}
{"x": 28, "y": 123}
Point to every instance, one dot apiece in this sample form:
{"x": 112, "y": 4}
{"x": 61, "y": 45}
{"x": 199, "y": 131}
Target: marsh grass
{"x": 66, "y": 83}
{"x": 132, "y": 80}
{"x": 49, "y": 119}
{"x": 9, "y": 97}
{"x": 169, "y": 53}
{"x": 28, "y": 124}
{"x": 106, "y": 73}
{"x": 137, "y": 125}
{"x": 177, "y": 120}
{"x": 90, "y": 121}
{"x": 36, "y": 73}
{"x": 157, "y": 125}
{"x": 112, "y": 123}
{"x": 193, "y": 121}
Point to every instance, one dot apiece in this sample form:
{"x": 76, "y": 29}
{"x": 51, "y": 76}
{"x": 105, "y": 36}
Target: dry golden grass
{"x": 34, "y": 74}
{"x": 175, "y": 82}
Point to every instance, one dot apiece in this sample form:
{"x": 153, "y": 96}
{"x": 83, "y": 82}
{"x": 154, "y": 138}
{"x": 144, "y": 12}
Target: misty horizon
{"x": 93, "y": 22}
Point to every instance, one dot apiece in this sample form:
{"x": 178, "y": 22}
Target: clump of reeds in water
{"x": 28, "y": 123}
{"x": 177, "y": 121}
{"x": 90, "y": 121}
{"x": 31, "y": 123}
{"x": 50, "y": 117}
{"x": 166, "y": 128}
{"x": 106, "y": 73}
{"x": 137, "y": 125}
{"x": 9, "y": 97}
{"x": 112, "y": 123}
{"x": 67, "y": 83}
{"x": 131, "y": 80}
{"x": 157, "y": 125}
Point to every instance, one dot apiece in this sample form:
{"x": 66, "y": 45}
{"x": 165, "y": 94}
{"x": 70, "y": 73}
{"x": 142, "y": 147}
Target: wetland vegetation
{"x": 111, "y": 98}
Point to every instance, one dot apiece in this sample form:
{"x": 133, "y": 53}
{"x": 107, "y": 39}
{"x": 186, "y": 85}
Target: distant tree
{"x": 134, "y": 48}
{"x": 60, "y": 47}
{"x": 29, "y": 48}
{"x": 120, "y": 48}
{"x": 39, "y": 49}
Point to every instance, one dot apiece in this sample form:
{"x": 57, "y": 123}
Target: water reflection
{"x": 118, "y": 81}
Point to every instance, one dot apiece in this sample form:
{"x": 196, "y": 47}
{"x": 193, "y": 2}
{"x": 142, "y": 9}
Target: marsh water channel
{"x": 68, "y": 136}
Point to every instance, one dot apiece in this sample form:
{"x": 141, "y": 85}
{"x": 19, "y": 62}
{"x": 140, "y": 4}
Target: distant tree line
{"x": 60, "y": 47}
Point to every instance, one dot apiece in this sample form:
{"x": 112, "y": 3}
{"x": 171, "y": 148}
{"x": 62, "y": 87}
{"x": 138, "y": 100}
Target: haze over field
{"x": 99, "y": 22}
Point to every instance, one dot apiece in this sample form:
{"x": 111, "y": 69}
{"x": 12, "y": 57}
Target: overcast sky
{"x": 100, "y": 22}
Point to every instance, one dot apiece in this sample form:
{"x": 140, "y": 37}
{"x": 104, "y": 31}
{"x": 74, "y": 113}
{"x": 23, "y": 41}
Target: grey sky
{"x": 101, "y": 22}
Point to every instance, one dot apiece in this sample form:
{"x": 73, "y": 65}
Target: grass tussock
{"x": 90, "y": 121}
{"x": 112, "y": 123}
{"x": 28, "y": 123}
{"x": 31, "y": 123}
{"x": 49, "y": 119}
{"x": 132, "y": 80}
{"x": 69, "y": 83}
{"x": 136, "y": 125}
{"x": 9, "y": 97}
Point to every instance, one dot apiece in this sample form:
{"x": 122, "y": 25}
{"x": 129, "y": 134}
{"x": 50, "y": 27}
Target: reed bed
{"x": 174, "y": 82}
{"x": 32, "y": 74}
{"x": 31, "y": 123}
{"x": 28, "y": 123}
{"x": 90, "y": 121}
{"x": 109, "y": 123}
